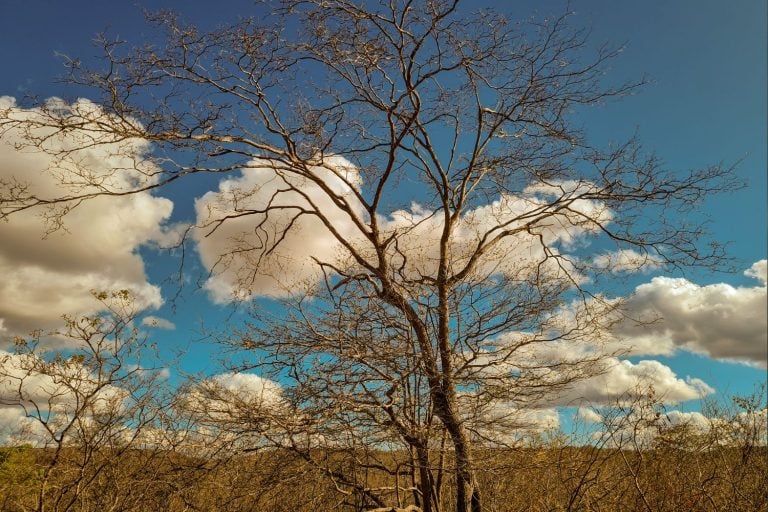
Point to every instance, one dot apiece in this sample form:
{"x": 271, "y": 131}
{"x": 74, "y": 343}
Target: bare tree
{"x": 430, "y": 317}
{"x": 87, "y": 405}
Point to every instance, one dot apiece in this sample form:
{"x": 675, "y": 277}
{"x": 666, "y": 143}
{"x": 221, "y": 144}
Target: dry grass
{"x": 549, "y": 478}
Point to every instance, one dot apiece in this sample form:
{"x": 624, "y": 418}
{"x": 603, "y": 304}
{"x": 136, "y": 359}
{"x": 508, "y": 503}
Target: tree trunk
{"x": 425, "y": 481}
{"x": 467, "y": 492}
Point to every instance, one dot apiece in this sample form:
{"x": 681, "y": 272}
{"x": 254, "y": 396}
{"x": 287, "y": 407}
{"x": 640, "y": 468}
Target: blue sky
{"x": 705, "y": 103}
{"x": 706, "y": 60}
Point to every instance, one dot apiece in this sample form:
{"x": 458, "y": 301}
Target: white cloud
{"x": 52, "y": 275}
{"x": 21, "y": 381}
{"x": 234, "y": 398}
{"x": 579, "y": 370}
{"x": 693, "y": 420}
{"x": 588, "y": 414}
{"x": 158, "y": 373}
{"x": 624, "y": 380}
{"x": 625, "y": 261}
{"x": 17, "y": 428}
{"x": 646, "y": 425}
{"x": 238, "y": 251}
{"x": 157, "y": 322}
{"x": 518, "y": 255}
{"x": 752, "y": 424}
{"x": 744, "y": 426}
{"x": 758, "y": 271}
{"x": 504, "y": 422}
{"x": 34, "y": 392}
{"x": 250, "y": 387}
{"x": 28, "y": 379}
{"x": 718, "y": 320}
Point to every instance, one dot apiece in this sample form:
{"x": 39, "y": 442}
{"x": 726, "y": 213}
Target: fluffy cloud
{"x": 249, "y": 387}
{"x": 26, "y": 379}
{"x": 581, "y": 368}
{"x": 758, "y": 271}
{"x": 718, "y": 320}
{"x": 234, "y": 399}
{"x": 648, "y": 425}
{"x": 693, "y": 420}
{"x": 241, "y": 252}
{"x": 734, "y": 430}
{"x": 623, "y": 380}
{"x": 503, "y": 422}
{"x": 17, "y": 428}
{"x": 588, "y": 415}
{"x": 276, "y": 253}
{"x": 564, "y": 369}
{"x": 158, "y": 323}
{"x": 51, "y": 275}
{"x": 499, "y": 415}
{"x": 39, "y": 399}
{"x": 522, "y": 250}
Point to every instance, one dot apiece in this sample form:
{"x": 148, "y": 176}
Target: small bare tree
{"x": 85, "y": 406}
{"x": 418, "y": 319}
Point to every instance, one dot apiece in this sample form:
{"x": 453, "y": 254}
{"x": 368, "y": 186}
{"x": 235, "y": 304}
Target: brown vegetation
{"x": 687, "y": 476}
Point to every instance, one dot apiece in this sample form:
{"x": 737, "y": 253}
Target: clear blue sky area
{"x": 705, "y": 104}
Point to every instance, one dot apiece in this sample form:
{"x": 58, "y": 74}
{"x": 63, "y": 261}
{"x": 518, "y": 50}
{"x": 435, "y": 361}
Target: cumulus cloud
{"x": 243, "y": 252}
{"x": 579, "y": 368}
{"x": 26, "y": 379}
{"x": 758, "y": 271}
{"x": 158, "y": 323}
{"x": 518, "y": 255}
{"x": 234, "y": 399}
{"x": 588, "y": 415}
{"x": 718, "y": 320}
{"x": 624, "y": 379}
{"x": 17, "y": 428}
{"x": 249, "y": 387}
{"x": 504, "y": 422}
{"x": 744, "y": 426}
{"x": 277, "y": 253}
{"x": 39, "y": 398}
{"x": 693, "y": 420}
{"x": 54, "y": 274}
{"x": 648, "y": 425}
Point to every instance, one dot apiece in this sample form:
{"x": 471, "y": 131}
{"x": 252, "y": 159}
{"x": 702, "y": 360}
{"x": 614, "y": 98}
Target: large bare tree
{"x": 433, "y": 148}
